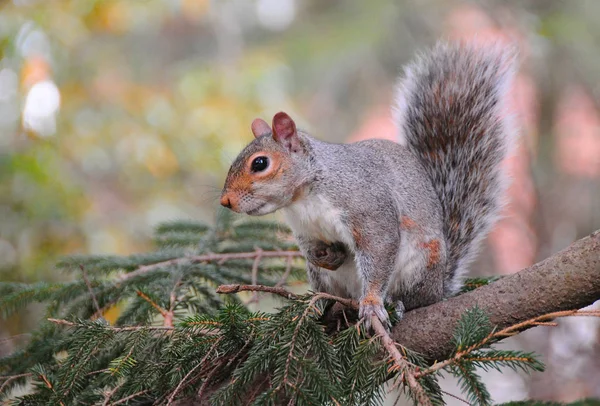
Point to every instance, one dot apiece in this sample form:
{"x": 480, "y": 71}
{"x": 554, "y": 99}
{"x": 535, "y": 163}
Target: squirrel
{"x": 384, "y": 222}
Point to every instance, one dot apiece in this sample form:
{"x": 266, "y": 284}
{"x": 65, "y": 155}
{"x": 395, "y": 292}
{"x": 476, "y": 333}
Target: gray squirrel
{"x": 380, "y": 221}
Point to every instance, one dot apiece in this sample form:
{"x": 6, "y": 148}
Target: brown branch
{"x": 111, "y": 392}
{"x": 255, "y": 265}
{"x": 227, "y": 289}
{"x": 191, "y": 371}
{"x": 168, "y": 318}
{"x": 128, "y": 398}
{"x": 10, "y": 378}
{"x": 195, "y": 259}
{"x": 567, "y": 280}
{"x": 15, "y": 337}
{"x": 162, "y": 311}
{"x": 49, "y": 385}
{"x": 402, "y": 364}
{"x": 455, "y": 397}
{"x": 286, "y": 274}
{"x": 89, "y": 286}
{"x": 311, "y": 306}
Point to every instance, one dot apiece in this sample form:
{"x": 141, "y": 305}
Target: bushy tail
{"x": 450, "y": 114}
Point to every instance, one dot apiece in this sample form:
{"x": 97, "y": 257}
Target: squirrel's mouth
{"x": 256, "y": 211}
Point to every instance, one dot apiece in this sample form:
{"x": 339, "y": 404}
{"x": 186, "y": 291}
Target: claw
{"x": 367, "y": 309}
{"x": 400, "y": 309}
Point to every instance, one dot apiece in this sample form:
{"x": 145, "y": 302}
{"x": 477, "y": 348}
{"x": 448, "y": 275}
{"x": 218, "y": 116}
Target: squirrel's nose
{"x": 225, "y": 201}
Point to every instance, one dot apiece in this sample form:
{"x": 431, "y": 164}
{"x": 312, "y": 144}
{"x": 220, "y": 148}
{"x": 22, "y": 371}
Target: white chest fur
{"x": 314, "y": 216}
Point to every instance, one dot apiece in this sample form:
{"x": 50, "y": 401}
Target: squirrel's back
{"x": 450, "y": 114}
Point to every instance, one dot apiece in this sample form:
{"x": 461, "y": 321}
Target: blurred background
{"x": 118, "y": 114}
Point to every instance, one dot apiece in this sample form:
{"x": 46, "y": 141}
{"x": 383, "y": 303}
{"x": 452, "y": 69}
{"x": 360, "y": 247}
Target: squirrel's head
{"x": 270, "y": 172}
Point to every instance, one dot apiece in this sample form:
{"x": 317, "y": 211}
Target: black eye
{"x": 260, "y": 164}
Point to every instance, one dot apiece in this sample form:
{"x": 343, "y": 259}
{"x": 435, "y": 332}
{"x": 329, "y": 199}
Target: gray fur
{"x": 451, "y": 114}
{"x": 398, "y": 223}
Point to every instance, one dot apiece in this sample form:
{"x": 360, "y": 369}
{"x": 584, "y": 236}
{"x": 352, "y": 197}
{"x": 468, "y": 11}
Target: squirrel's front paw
{"x": 371, "y": 306}
{"x": 328, "y": 256}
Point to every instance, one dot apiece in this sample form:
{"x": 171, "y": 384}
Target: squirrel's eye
{"x": 260, "y": 164}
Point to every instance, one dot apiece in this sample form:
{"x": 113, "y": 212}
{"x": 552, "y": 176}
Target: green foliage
{"x": 472, "y": 328}
{"x": 173, "y": 338}
{"x": 472, "y": 339}
{"x": 474, "y": 283}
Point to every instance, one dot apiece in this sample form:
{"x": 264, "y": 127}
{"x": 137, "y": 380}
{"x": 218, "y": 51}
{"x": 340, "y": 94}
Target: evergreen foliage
{"x": 176, "y": 340}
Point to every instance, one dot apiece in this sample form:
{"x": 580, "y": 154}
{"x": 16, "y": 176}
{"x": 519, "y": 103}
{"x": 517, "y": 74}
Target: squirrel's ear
{"x": 260, "y": 127}
{"x": 284, "y": 132}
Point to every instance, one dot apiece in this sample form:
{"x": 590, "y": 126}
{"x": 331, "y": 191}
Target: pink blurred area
{"x": 578, "y": 130}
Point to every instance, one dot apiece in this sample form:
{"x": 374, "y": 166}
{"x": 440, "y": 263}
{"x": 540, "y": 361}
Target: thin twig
{"x": 168, "y": 319}
{"x": 162, "y": 311}
{"x": 110, "y": 393}
{"x": 119, "y": 329}
{"x": 401, "y": 362}
{"x": 286, "y": 274}
{"x": 89, "y": 286}
{"x": 345, "y": 301}
{"x": 170, "y": 400}
{"x": 11, "y": 378}
{"x": 49, "y": 385}
{"x": 311, "y": 306}
{"x": 235, "y": 288}
{"x": 255, "y": 265}
{"x": 194, "y": 259}
{"x": 293, "y": 341}
{"x": 456, "y": 397}
{"x": 103, "y": 309}
{"x": 11, "y": 338}
{"x": 207, "y": 380}
{"x": 128, "y": 398}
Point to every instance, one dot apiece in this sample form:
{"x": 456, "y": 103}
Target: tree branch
{"x": 220, "y": 258}
{"x": 235, "y": 288}
{"x": 567, "y": 280}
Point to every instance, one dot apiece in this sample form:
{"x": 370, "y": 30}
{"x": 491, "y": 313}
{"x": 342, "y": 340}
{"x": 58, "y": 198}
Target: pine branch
{"x": 9, "y": 379}
{"x": 128, "y": 398}
{"x": 219, "y": 258}
{"x": 506, "y": 332}
{"x": 292, "y": 356}
{"x": 117, "y": 329}
{"x": 406, "y": 370}
{"x": 90, "y": 289}
{"x": 191, "y": 371}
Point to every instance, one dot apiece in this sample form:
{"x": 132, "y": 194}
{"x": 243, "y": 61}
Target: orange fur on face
{"x": 275, "y": 161}
{"x": 245, "y": 180}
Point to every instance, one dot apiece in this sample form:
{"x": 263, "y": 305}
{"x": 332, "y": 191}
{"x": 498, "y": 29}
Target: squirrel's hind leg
{"x": 427, "y": 290}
